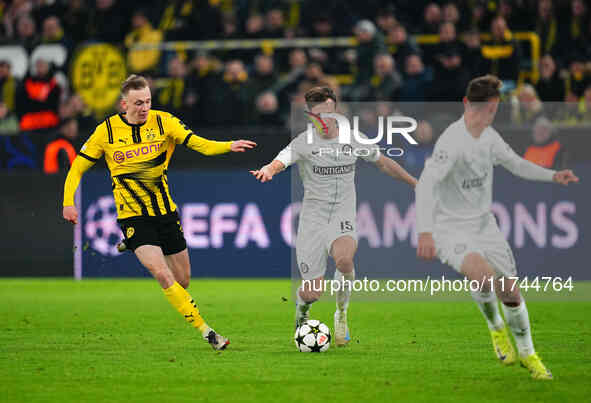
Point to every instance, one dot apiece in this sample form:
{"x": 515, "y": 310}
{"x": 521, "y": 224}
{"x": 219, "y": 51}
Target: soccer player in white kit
{"x": 455, "y": 222}
{"x": 327, "y": 223}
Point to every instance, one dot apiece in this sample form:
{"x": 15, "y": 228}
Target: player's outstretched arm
{"x": 185, "y": 136}
{"x": 525, "y": 169}
{"x": 286, "y": 157}
{"x": 267, "y": 172}
{"x": 392, "y": 168}
{"x": 212, "y": 147}
{"x": 79, "y": 166}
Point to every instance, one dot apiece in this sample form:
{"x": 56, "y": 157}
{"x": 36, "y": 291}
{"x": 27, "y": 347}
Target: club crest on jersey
{"x": 119, "y": 156}
{"x": 130, "y": 231}
{"x": 150, "y": 135}
{"x": 440, "y": 156}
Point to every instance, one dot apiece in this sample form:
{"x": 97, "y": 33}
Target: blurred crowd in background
{"x": 44, "y": 121}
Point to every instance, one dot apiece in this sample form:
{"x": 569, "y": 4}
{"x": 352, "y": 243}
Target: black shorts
{"x": 164, "y": 231}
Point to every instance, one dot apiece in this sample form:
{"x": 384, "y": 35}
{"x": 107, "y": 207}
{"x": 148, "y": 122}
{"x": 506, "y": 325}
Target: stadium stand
{"x": 254, "y": 59}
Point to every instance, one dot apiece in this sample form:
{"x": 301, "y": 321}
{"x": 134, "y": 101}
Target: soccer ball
{"x": 312, "y": 336}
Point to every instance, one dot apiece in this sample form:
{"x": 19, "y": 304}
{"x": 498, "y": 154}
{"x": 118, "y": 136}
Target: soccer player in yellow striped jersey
{"x": 137, "y": 145}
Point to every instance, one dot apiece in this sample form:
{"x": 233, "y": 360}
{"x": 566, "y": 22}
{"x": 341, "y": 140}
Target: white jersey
{"x": 327, "y": 167}
{"x": 456, "y": 184}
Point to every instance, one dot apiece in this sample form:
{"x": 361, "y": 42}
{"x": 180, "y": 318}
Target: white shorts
{"x": 454, "y": 242}
{"x": 315, "y": 237}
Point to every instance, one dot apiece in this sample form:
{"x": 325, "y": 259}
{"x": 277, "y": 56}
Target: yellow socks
{"x": 184, "y": 303}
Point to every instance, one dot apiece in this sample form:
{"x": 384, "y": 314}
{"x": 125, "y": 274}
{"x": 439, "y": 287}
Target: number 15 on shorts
{"x": 346, "y": 226}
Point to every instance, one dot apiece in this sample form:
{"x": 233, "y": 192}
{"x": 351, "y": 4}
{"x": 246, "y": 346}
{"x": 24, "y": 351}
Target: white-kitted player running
{"x": 327, "y": 222}
{"x": 455, "y": 222}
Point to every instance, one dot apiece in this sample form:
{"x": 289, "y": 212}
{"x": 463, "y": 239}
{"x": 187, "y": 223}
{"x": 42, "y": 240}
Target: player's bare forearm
{"x": 277, "y": 166}
{"x": 393, "y": 169}
{"x": 267, "y": 172}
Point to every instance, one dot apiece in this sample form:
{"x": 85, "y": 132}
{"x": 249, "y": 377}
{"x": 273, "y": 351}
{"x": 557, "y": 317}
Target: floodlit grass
{"x": 120, "y": 341}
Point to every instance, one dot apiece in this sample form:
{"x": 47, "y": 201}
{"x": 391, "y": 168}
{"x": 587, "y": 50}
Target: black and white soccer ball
{"x": 312, "y": 336}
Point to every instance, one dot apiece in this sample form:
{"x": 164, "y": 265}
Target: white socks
{"x": 489, "y": 306}
{"x": 518, "y": 320}
{"x": 344, "y": 292}
{"x": 343, "y": 295}
{"x": 301, "y": 306}
{"x": 516, "y": 317}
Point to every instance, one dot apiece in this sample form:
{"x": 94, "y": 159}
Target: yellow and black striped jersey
{"x": 137, "y": 156}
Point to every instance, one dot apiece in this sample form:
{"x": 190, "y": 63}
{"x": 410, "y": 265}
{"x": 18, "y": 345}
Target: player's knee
{"x": 476, "y": 263}
{"x": 344, "y": 264}
{"x": 476, "y": 268}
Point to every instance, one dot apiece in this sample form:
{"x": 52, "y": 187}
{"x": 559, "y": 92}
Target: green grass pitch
{"x": 120, "y": 341}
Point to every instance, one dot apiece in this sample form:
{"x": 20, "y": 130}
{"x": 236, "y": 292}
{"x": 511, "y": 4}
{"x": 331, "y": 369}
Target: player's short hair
{"x": 133, "y": 82}
{"x": 485, "y": 88}
{"x": 317, "y": 95}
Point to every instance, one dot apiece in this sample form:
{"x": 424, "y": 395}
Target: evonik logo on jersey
{"x": 120, "y": 156}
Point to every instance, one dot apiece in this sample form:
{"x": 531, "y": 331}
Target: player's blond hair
{"x": 133, "y": 82}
